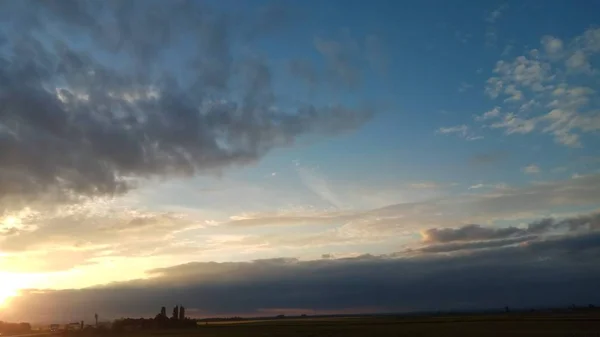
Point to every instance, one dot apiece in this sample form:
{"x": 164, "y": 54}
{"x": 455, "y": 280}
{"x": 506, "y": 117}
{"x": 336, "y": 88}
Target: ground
{"x": 570, "y": 325}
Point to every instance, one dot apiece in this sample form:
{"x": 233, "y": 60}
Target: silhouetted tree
{"x": 163, "y": 312}
{"x": 181, "y": 313}
{"x": 175, "y": 312}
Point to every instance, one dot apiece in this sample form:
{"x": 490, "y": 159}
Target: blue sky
{"x": 226, "y": 131}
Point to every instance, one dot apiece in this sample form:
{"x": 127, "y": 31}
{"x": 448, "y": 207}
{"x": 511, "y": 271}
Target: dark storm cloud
{"x": 90, "y": 97}
{"x": 536, "y": 273}
{"x": 456, "y": 246}
{"x": 469, "y": 233}
{"x": 472, "y": 232}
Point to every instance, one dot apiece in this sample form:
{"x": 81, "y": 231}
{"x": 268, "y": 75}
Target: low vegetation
{"x": 585, "y": 324}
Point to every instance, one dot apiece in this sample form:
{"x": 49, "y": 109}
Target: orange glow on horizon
{"x": 10, "y": 286}
{"x": 6, "y": 293}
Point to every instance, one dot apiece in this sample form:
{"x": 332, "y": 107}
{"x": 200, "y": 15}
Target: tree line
{"x": 14, "y": 328}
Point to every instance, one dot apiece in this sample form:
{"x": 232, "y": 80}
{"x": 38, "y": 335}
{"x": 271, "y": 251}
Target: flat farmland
{"x": 480, "y": 325}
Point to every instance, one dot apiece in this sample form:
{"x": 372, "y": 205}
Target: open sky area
{"x": 283, "y": 157}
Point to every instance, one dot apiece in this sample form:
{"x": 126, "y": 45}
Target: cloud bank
{"x": 536, "y": 271}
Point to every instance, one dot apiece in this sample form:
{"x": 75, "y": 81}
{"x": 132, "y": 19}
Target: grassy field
{"x": 480, "y": 326}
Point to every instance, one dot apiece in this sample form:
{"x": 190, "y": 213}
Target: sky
{"x": 284, "y": 157}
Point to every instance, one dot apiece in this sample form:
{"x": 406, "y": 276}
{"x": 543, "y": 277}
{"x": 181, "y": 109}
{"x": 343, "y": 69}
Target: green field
{"x": 481, "y": 325}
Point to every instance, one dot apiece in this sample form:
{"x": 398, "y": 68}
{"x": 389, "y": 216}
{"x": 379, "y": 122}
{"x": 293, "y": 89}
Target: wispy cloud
{"x": 464, "y": 87}
{"x": 532, "y": 169}
{"x": 319, "y": 185}
{"x": 463, "y": 131}
{"x": 496, "y": 14}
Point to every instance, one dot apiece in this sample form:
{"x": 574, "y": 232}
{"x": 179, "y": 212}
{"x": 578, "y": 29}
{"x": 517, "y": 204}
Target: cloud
{"x": 83, "y": 234}
{"x": 531, "y": 169}
{"x": 552, "y": 45}
{"x": 495, "y": 112}
{"x": 75, "y": 124}
{"x": 426, "y": 185}
{"x": 468, "y": 233}
{"x": 494, "y": 15}
{"x": 463, "y": 131}
{"x": 463, "y": 37}
{"x": 556, "y": 271}
{"x": 473, "y": 245}
{"x": 498, "y": 186}
{"x": 524, "y": 72}
{"x": 515, "y": 95}
{"x": 319, "y": 185}
{"x": 464, "y": 87}
{"x": 513, "y": 124}
{"x": 498, "y": 203}
{"x": 343, "y": 59}
{"x": 552, "y": 84}
{"x": 485, "y": 235}
{"x": 505, "y": 203}
{"x": 578, "y": 62}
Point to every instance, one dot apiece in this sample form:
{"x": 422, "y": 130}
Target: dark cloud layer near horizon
{"x": 554, "y": 270}
{"x": 475, "y": 232}
{"x": 93, "y": 97}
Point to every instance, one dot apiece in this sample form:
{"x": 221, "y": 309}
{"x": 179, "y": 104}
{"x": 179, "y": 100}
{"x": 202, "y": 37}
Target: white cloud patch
{"x": 495, "y": 112}
{"x": 552, "y": 45}
{"x": 547, "y": 91}
{"x": 531, "y": 169}
{"x": 495, "y": 14}
{"x": 498, "y": 186}
{"x": 426, "y": 185}
{"x": 514, "y": 93}
{"x": 578, "y": 62}
{"x": 513, "y": 124}
{"x": 462, "y": 131}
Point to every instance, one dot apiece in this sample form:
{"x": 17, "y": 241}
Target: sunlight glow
{"x": 10, "y": 221}
{"x": 10, "y": 285}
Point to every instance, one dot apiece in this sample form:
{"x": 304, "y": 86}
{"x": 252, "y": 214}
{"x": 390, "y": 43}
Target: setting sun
{"x": 10, "y": 284}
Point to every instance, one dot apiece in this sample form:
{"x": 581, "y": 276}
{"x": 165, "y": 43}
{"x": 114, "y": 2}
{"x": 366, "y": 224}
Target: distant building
{"x": 163, "y": 312}
{"x": 181, "y": 313}
{"x": 176, "y": 312}
{"x": 73, "y": 326}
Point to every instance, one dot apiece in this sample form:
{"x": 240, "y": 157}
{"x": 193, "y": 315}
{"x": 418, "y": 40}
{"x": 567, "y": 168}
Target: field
{"x": 586, "y": 325}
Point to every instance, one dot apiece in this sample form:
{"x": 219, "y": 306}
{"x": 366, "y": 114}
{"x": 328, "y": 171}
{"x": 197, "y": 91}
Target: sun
{"x": 10, "y": 221}
{"x": 6, "y": 295}
{"x": 9, "y": 287}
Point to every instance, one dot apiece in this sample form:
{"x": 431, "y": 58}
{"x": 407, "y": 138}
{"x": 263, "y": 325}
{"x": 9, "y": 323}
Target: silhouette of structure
{"x": 96, "y": 317}
{"x": 160, "y": 321}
